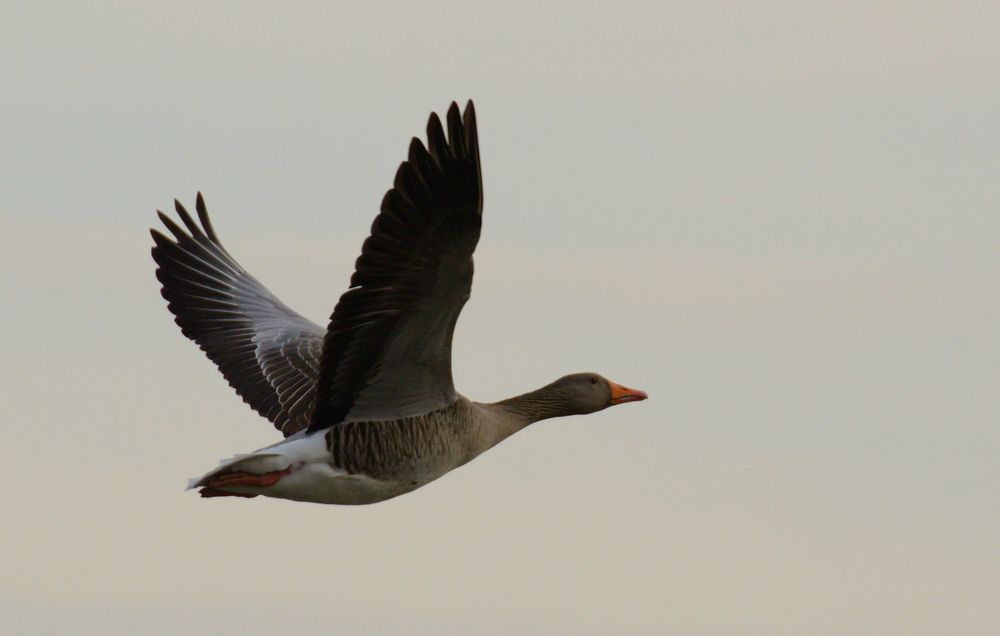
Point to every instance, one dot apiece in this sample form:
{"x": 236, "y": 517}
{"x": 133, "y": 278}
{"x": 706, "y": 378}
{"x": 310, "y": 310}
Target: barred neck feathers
{"x": 574, "y": 394}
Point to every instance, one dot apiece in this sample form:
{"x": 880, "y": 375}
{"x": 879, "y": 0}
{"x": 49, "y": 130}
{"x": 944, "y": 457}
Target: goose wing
{"x": 387, "y": 350}
{"x": 269, "y": 353}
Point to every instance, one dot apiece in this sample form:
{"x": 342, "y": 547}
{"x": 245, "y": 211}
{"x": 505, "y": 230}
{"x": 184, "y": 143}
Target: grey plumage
{"x": 269, "y": 353}
{"x": 387, "y": 351}
{"x": 368, "y": 405}
{"x": 405, "y": 448}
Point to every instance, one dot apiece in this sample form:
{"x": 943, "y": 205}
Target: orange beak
{"x": 621, "y": 394}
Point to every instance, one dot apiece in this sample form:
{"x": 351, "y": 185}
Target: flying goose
{"x": 367, "y": 406}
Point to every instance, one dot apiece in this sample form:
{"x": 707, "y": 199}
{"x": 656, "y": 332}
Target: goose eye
{"x": 593, "y": 380}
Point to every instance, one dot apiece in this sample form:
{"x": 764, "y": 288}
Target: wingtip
{"x": 170, "y": 224}
{"x": 160, "y": 239}
{"x": 436, "y": 142}
{"x": 434, "y": 124}
{"x": 206, "y": 222}
{"x": 188, "y": 221}
{"x": 471, "y": 130}
{"x": 456, "y": 132}
{"x": 158, "y": 236}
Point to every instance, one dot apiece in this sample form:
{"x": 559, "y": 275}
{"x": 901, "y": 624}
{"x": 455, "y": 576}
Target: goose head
{"x": 589, "y": 392}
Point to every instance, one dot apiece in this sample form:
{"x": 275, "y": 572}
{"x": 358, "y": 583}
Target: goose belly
{"x": 322, "y": 483}
{"x": 320, "y": 480}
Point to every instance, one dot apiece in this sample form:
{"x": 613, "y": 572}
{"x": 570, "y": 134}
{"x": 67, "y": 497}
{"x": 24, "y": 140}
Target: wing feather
{"x": 267, "y": 352}
{"x": 387, "y": 350}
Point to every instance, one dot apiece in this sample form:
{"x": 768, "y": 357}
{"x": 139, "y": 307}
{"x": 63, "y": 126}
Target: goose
{"x": 367, "y": 407}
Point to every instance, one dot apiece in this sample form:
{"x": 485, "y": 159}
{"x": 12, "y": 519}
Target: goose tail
{"x": 241, "y": 474}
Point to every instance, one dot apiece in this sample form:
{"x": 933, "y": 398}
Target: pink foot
{"x": 229, "y": 480}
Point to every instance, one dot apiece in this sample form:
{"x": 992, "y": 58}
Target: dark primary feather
{"x": 268, "y": 353}
{"x": 387, "y": 351}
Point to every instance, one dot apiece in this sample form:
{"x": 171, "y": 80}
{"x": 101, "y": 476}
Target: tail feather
{"x": 250, "y": 474}
{"x": 256, "y": 463}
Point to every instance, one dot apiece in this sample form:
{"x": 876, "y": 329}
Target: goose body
{"x": 367, "y": 406}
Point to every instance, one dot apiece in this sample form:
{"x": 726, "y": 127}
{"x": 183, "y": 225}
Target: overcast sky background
{"x": 783, "y": 222}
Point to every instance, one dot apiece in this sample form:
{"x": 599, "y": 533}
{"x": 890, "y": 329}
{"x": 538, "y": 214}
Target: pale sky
{"x": 782, "y": 222}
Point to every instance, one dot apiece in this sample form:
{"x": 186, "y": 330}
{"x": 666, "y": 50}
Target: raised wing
{"x": 387, "y": 351}
{"x": 268, "y": 353}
